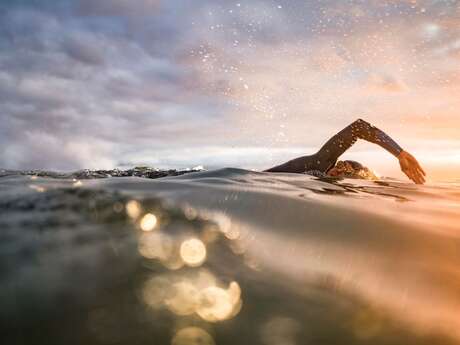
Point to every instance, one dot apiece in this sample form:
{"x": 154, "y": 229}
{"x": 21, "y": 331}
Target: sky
{"x": 181, "y": 83}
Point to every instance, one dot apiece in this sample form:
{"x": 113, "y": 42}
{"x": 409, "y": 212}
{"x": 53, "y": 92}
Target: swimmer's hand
{"x": 411, "y": 167}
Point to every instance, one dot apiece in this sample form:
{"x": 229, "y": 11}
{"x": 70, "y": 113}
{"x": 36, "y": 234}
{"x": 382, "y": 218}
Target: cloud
{"x": 68, "y": 154}
{"x": 159, "y": 77}
{"x": 117, "y": 7}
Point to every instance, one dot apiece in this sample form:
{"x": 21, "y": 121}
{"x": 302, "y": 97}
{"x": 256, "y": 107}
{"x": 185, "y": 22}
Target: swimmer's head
{"x": 351, "y": 169}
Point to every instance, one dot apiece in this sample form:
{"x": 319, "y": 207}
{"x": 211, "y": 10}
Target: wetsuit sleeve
{"x": 342, "y": 141}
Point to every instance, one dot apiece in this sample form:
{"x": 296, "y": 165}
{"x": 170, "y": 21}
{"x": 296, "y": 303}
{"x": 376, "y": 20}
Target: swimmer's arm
{"x": 361, "y": 129}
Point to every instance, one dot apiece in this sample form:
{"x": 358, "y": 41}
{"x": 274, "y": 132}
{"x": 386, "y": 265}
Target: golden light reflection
{"x": 193, "y": 252}
{"x": 215, "y": 304}
{"x": 184, "y": 299}
{"x": 192, "y": 336}
{"x": 188, "y": 294}
{"x": 231, "y": 230}
{"x": 133, "y": 209}
{"x": 233, "y": 233}
{"x": 159, "y": 246}
{"x": 234, "y": 292}
{"x": 204, "y": 279}
{"x": 148, "y": 222}
{"x": 174, "y": 261}
{"x": 154, "y": 246}
{"x": 77, "y": 183}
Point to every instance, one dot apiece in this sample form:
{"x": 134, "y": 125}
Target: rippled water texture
{"x": 227, "y": 257}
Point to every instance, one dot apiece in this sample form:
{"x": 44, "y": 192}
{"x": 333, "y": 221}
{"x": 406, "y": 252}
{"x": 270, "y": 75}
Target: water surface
{"x": 227, "y": 257}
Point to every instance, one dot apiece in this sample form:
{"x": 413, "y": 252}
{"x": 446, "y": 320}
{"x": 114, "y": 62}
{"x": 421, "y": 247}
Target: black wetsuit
{"x": 327, "y": 156}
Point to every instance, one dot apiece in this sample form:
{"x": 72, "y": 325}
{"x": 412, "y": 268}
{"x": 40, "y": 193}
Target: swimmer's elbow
{"x": 361, "y": 124}
{"x": 361, "y": 129}
{"x": 359, "y": 121}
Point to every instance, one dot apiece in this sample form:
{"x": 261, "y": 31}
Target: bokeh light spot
{"x": 193, "y": 252}
{"x": 215, "y": 304}
{"x": 133, "y": 209}
{"x": 148, "y": 222}
{"x": 192, "y": 336}
{"x": 184, "y": 299}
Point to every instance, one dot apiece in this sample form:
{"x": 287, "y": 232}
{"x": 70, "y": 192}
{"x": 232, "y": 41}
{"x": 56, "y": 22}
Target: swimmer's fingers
{"x": 421, "y": 175}
{"x": 419, "y": 179}
{"x": 411, "y": 175}
{"x": 418, "y": 172}
{"x": 419, "y": 168}
{"x": 405, "y": 167}
{"x": 406, "y": 170}
{"x": 414, "y": 174}
{"x": 411, "y": 167}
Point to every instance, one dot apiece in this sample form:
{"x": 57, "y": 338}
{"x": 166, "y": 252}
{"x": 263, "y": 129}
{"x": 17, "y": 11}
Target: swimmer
{"x": 325, "y": 160}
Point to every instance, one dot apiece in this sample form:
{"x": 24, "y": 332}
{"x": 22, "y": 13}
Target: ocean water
{"x": 227, "y": 257}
